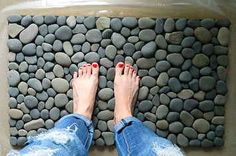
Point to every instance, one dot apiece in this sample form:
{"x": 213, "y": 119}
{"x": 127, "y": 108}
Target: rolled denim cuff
{"x": 124, "y": 123}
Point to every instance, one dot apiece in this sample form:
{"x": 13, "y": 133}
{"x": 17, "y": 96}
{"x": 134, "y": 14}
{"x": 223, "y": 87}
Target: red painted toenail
{"x": 95, "y": 65}
{"x": 120, "y": 65}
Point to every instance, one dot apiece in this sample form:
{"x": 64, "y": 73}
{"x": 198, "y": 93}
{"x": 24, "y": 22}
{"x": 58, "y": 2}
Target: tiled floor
{"x": 190, "y": 11}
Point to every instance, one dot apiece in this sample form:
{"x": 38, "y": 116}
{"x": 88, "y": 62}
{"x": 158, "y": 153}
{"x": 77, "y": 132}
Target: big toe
{"x": 119, "y": 68}
{"x": 95, "y": 69}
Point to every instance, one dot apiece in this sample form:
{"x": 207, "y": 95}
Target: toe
{"x": 88, "y": 70}
{"x": 119, "y": 68}
{"x": 95, "y": 69}
{"x": 131, "y": 70}
{"x": 134, "y": 74}
{"x": 84, "y": 70}
{"x": 126, "y": 70}
{"x": 137, "y": 80}
{"x": 80, "y": 72}
{"x": 75, "y": 75}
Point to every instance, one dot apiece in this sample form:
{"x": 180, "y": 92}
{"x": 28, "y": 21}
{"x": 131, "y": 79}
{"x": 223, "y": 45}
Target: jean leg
{"x": 71, "y": 136}
{"x": 135, "y": 139}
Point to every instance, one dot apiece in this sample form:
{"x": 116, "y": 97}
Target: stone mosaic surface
{"x": 182, "y": 64}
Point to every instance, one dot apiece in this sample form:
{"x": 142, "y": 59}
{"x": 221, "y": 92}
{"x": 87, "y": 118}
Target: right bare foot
{"x": 126, "y": 86}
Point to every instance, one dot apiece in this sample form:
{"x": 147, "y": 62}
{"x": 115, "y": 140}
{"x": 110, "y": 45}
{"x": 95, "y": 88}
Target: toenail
{"x": 84, "y": 65}
{"x": 95, "y": 65}
{"x": 88, "y": 64}
{"x": 127, "y": 65}
{"x": 120, "y": 65}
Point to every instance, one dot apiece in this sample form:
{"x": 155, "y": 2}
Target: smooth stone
{"x": 102, "y": 126}
{"x": 28, "y": 34}
{"x": 146, "y": 22}
{"x": 21, "y": 141}
{"x": 106, "y": 62}
{"x": 49, "y": 124}
{"x": 150, "y": 125}
{"x": 162, "y": 111}
{"x": 175, "y": 59}
{"x": 100, "y": 142}
{"x": 34, "y": 124}
{"x": 190, "y": 132}
{"x": 105, "y": 115}
{"x": 77, "y": 57}
{"x": 14, "y": 45}
{"x": 94, "y": 36}
{"x": 163, "y": 79}
{"x": 159, "y": 27}
{"x": 185, "y": 76}
{"x": 203, "y": 34}
{"x": 92, "y": 57}
{"x": 63, "y": 33}
{"x": 143, "y": 93}
{"x": 188, "y": 42}
{"x": 105, "y": 93}
{"x": 208, "y": 23}
{"x": 145, "y": 105}
{"x": 108, "y": 138}
{"x": 61, "y": 100}
{"x": 222, "y": 60}
{"x": 35, "y": 84}
{"x": 30, "y": 101}
{"x": 103, "y": 23}
{"x": 60, "y": 85}
{"x": 149, "y": 49}
{"x": 219, "y": 131}
{"x": 169, "y": 25}
{"x": 161, "y": 41}
{"x": 174, "y": 85}
{"x": 218, "y": 120}
{"x": 206, "y": 105}
{"x": 162, "y": 66}
{"x": 201, "y": 125}
{"x": 29, "y": 49}
{"x": 219, "y": 50}
{"x": 185, "y": 94}
{"x": 150, "y": 116}
{"x": 160, "y": 54}
{"x": 34, "y": 113}
{"x": 182, "y": 140}
{"x": 43, "y": 30}
{"x": 38, "y": 20}
{"x": 57, "y": 45}
{"x": 71, "y": 21}
{"x": 207, "y": 83}
{"x": 148, "y": 81}
{"x": 50, "y": 19}
{"x": 146, "y": 63}
{"x": 118, "y": 40}
{"x": 62, "y": 59}
{"x": 78, "y": 39}
{"x": 129, "y": 49}
{"x": 14, "y": 29}
{"x": 15, "y": 113}
{"x": 54, "y": 113}
{"x": 176, "y": 105}
{"x": 220, "y": 100}
{"x": 13, "y": 78}
{"x": 116, "y": 24}
{"x": 147, "y": 35}
{"x": 186, "y": 118}
{"x": 180, "y": 24}
{"x": 130, "y": 22}
{"x": 68, "y": 48}
{"x": 14, "y": 18}
{"x": 110, "y": 51}
{"x": 223, "y": 36}
{"x": 200, "y": 60}
{"x": 194, "y": 143}
{"x": 174, "y": 37}
{"x": 190, "y": 104}
{"x": 162, "y": 124}
{"x": 176, "y": 127}
{"x": 89, "y": 22}
{"x": 79, "y": 28}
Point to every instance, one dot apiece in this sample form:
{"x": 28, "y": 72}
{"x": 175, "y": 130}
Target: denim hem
{"x": 124, "y": 122}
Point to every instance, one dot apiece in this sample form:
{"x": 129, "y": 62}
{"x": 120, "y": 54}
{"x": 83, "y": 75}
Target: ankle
{"x": 118, "y": 116}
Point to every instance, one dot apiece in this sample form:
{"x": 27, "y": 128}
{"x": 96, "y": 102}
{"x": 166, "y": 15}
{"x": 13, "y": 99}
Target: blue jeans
{"x": 73, "y": 134}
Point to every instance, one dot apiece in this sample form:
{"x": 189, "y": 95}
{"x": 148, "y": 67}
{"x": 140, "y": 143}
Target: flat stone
{"x": 14, "y": 18}
{"x": 15, "y": 113}
{"x": 35, "y": 84}
{"x": 94, "y": 36}
{"x": 30, "y": 101}
{"x": 203, "y": 34}
{"x": 34, "y": 124}
{"x": 145, "y": 106}
{"x": 143, "y": 93}
{"x": 188, "y": 41}
{"x": 190, "y": 133}
{"x": 147, "y": 35}
{"x": 108, "y": 138}
{"x": 176, "y": 127}
{"x": 28, "y": 34}
{"x": 106, "y": 62}
{"x": 207, "y": 83}
{"x": 105, "y": 115}
{"x": 103, "y": 23}
{"x": 174, "y": 37}
{"x": 129, "y": 49}
{"x": 162, "y": 111}
{"x": 149, "y": 49}
{"x": 163, "y": 79}
{"x": 180, "y": 24}
{"x": 201, "y": 125}
{"x": 146, "y": 63}
{"x": 89, "y": 22}
{"x": 185, "y": 94}
{"x": 200, "y": 60}
{"x": 182, "y": 140}
{"x": 185, "y": 76}
{"x": 174, "y": 85}
{"x": 13, "y": 78}
{"x": 61, "y": 100}
{"x": 118, "y": 40}
{"x": 223, "y": 36}
{"x": 54, "y": 113}
{"x": 14, "y": 30}
{"x": 159, "y": 27}
{"x": 78, "y": 39}
{"x": 105, "y": 93}
{"x": 162, "y": 66}
{"x": 116, "y": 24}
{"x": 206, "y": 105}
{"x": 186, "y": 118}
{"x": 14, "y": 45}
{"x": 102, "y": 126}
{"x": 148, "y": 81}
{"x": 60, "y": 85}
{"x": 161, "y": 41}
{"x": 190, "y": 104}
{"x": 63, "y": 33}
{"x": 169, "y": 25}
{"x": 146, "y": 22}
{"x": 220, "y": 100}
{"x": 62, "y": 59}
{"x": 110, "y": 51}
{"x": 218, "y": 120}
{"x": 130, "y": 22}
{"x": 176, "y": 105}
{"x": 175, "y": 59}
{"x": 71, "y": 21}
{"x": 162, "y": 124}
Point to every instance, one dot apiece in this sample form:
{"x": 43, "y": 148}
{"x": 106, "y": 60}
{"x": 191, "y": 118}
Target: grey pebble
{"x": 54, "y": 113}
{"x": 145, "y": 105}
{"x": 63, "y": 33}
{"x": 201, "y": 125}
{"x": 14, "y": 18}
{"x": 147, "y": 35}
{"x": 92, "y": 57}
{"x": 102, "y": 125}
{"x": 105, "y": 93}
{"x": 14, "y": 45}
{"x": 176, "y": 104}
{"x": 50, "y": 19}
{"x": 62, "y": 59}
{"x": 162, "y": 66}
{"x": 60, "y": 85}
{"x": 28, "y": 34}
{"x": 176, "y": 127}
{"x": 118, "y": 40}
{"x": 169, "y": 25}
{"x": 94, "y": 36}
{"x": 29, "y": 49}
{"x": 105, "y": 115}
{"x": 129, "y": 22}
{"x": 61, "y": 100}
{"x": 173, "y": 116}
{"x": 116, "y": 24}
{"x": 35, "y": 84}
{"x": 34, "y": 124}
{"x": 34, "y": 113}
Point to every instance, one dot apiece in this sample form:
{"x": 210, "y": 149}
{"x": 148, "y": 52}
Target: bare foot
{"x": 126, "y": 86}
{"x": 85, "y": 83}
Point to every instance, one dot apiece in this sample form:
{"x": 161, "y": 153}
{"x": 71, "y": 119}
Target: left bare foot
{"x": 85, "y": 83}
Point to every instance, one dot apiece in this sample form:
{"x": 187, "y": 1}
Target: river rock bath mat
{"x": 182, "y": 64}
